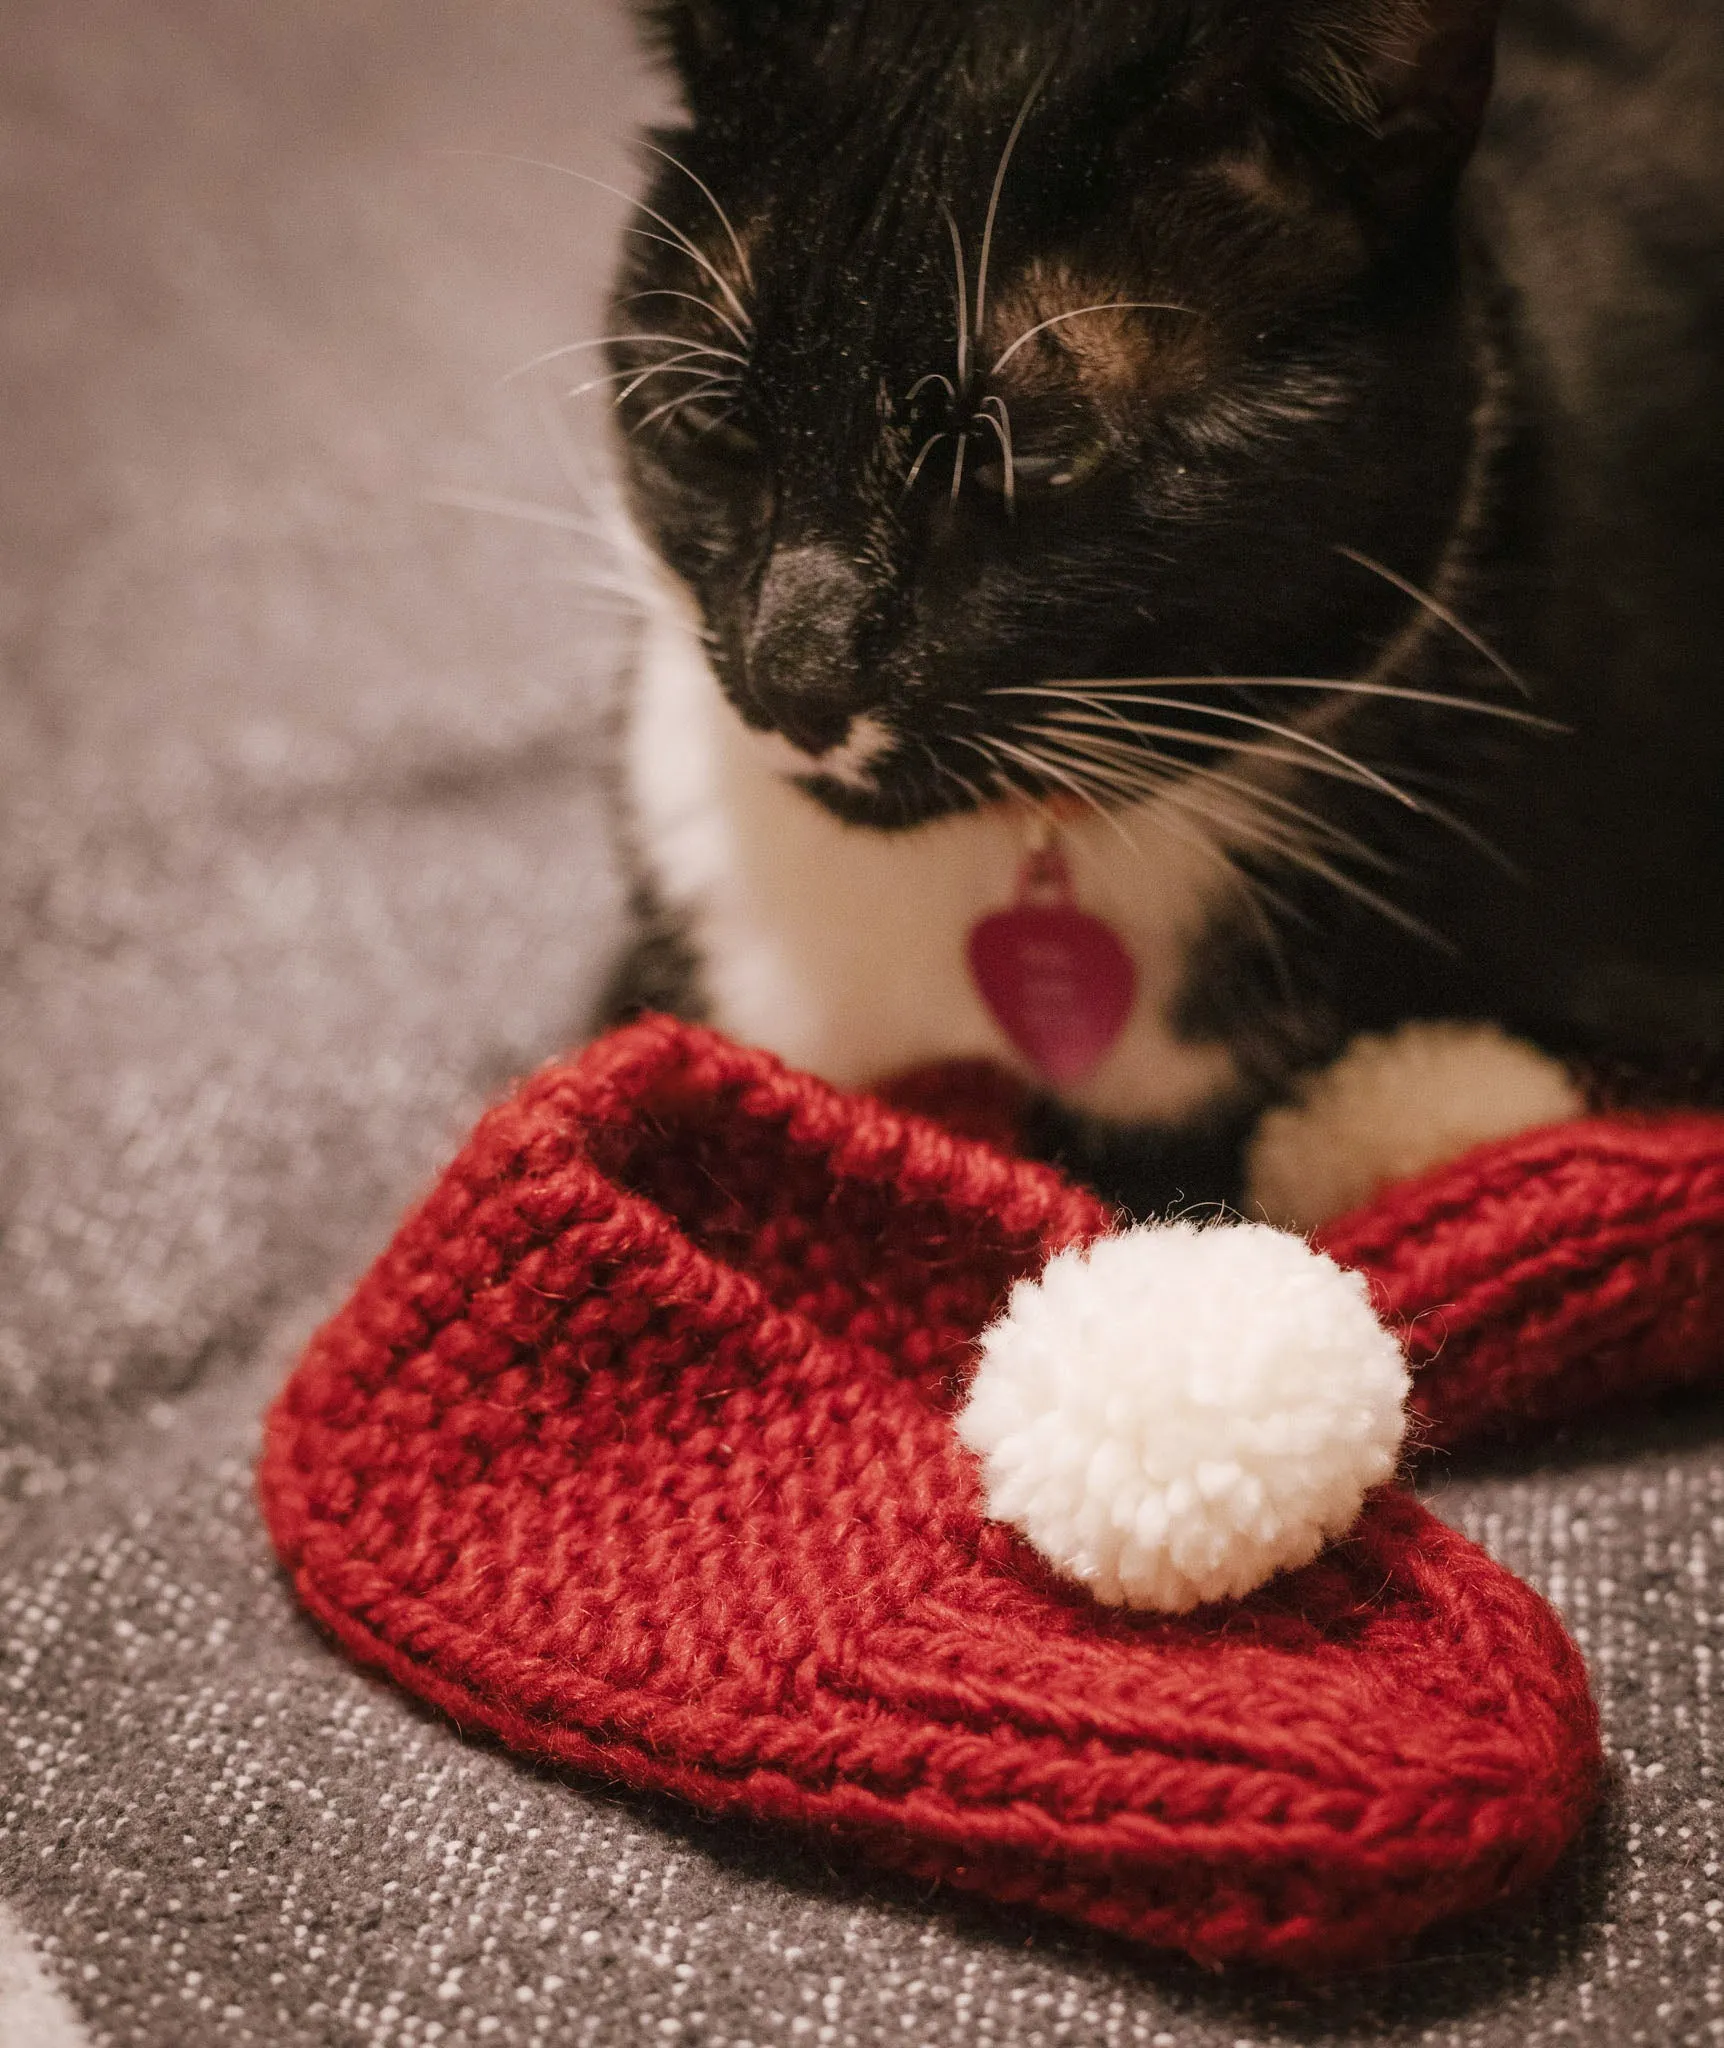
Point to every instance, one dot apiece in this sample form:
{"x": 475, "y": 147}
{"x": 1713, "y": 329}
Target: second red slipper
{"x": 1549, "y": 1273}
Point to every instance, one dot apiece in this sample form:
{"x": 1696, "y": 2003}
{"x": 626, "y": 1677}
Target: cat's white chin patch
{"x": 845, "y": 949}
{"x": 1175, "y": 1414}
{"x": 851, "y": 763}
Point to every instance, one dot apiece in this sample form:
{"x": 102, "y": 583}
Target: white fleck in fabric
{"x": 32, "y": 2012}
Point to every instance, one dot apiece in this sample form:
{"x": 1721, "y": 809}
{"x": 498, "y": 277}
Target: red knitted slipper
{"x": 1545, "y": 1274}
{"x": 1532, "y": 1279}
{"x": 635, "y": 1449}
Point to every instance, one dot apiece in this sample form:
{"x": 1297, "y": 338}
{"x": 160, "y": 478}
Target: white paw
{"x": 1391, "y": 1107}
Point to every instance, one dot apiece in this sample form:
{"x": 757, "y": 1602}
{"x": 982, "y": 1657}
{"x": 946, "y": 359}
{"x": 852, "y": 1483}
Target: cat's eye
{"x": 717, "y": 431}
{"x": 1037, "y": 472}
{"x": 710, "y": 429}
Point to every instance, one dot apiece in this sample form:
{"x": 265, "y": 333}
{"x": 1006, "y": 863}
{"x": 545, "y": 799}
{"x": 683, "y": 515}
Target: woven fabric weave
{"x": 634, "y": 1450}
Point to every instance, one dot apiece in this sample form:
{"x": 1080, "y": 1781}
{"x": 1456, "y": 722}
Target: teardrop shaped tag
{"x": 1057, "y": 980}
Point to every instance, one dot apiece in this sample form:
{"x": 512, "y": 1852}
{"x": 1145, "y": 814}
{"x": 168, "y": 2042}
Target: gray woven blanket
{"x": 301, "y": 857}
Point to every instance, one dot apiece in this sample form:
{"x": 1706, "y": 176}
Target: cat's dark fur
{"x": 1505, "y": 381}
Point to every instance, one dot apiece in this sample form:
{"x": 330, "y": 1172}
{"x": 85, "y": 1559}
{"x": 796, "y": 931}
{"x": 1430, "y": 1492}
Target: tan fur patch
{"x": 1256, "y": 178}
{"x": 1107, "y": 342}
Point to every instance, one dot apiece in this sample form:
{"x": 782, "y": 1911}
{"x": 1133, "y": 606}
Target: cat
{"x": 1223, "y": 441}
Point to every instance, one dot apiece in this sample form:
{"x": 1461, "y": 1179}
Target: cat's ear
{"x": 1397, "y": 90}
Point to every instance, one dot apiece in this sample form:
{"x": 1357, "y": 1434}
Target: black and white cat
{"x": 1122, "y": 420}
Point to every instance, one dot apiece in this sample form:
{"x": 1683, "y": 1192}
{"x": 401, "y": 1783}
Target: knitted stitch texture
{"x": 1549, "y": 1273}
{"x": 634, "y": 1449}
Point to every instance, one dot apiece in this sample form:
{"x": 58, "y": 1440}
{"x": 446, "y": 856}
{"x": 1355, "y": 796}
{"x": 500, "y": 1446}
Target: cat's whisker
{"x": 615, "y": 585}
{"x": 1104, "y": 703}
{"x": 1254, "y": 890}
{"x": 1423, "y": 781}
{"x": 1126, "y": 759}
{"x": 1264, "y": 903}
{"x": 718, "y": 419}
{"x": 597, "y": 494}
{"x": 1296, "y": 853}
{"x": 591, "y": 599}
{"x": 1300, "y": 819}
{"x": 694, "y": 299}
{"x": 632, "y": 563}
{"x": 572, "y": 348}
{"x": 928, "y": 446}
{"x": 515, "y": 508}
{"x": 987, "y": 250}
{"x": 665, "y": 242}
{"x": 1098, "y": 714}
{"x": 945, "y": 772}
{"x": 998, "y": 767}
{"x": 1048, "y": 757}
{"x": 624, "y": 596}
{"x": 1077, "y": 313}
{"x": 679, "y": 239}
{"x": 1285, "y": 843}
{"x": 1444, "y": 615}
{"x": 1145, "y": 781}
{"x": 1227, "y": 715}
{"x": 1130, "y": 688}
{"x": 1106, "y": 717}
{"x": 1039, "y": 764}
{"x": 998, "y": 752}
{"x": 672, "y": 364}
{"x": 1363, "y": 686}
{"x": 672, "y": 405}
{"x": 986, "y": 746}
{"x": 676, "y": 163}
{"x": 933, "y": 377}
{"x": 1101, "y": 785}
{"x": 1002, "y": 426}
{"x": 1289, "y": 845}
{"x": 975, "y": 746}
{"x": 961, "y": 270}
{"x": 598, "y": 383}
{"x": 1190, "y": 821}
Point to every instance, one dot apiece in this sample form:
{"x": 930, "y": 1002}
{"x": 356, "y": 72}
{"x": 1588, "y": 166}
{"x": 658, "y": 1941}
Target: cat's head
{"x": 984, "y": 345}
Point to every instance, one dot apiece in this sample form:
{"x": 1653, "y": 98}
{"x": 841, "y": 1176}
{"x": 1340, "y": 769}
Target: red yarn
{"x": 634, "y": 1449}
{"x": 1534, "y": 1278}
{"x": 1545, "y": 1274}
{"x": 975, "y": 1098}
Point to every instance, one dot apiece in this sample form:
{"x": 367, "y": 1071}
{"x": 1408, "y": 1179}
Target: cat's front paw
{"x": 1391, "y": 1107}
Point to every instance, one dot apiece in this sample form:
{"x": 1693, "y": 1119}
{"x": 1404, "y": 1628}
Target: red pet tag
{"x": 1058, "y": 981}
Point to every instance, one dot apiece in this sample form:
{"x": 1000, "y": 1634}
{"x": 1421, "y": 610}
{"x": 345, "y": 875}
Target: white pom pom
{"x": 1390, "y": 1107}
{"x": 1175, "y": 1414}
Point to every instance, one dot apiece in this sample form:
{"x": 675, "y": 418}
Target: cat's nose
{"x": 801, "y": 651}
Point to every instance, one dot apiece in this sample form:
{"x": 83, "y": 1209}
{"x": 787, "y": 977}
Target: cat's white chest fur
{"x": 843, "y": 949}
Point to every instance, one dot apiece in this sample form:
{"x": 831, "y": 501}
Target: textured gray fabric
{"x": 301, "y": 855}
